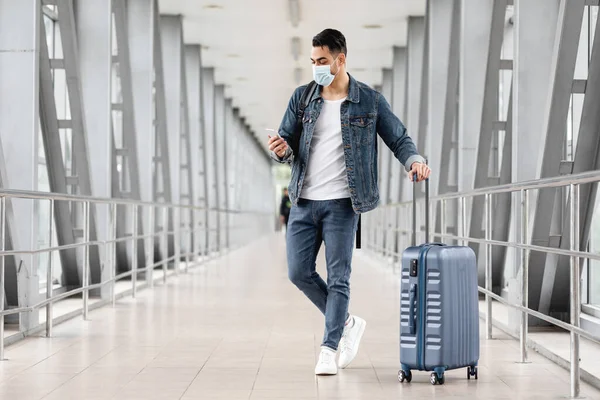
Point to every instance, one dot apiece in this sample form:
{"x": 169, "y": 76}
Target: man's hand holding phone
{"x": 277, "y": 144}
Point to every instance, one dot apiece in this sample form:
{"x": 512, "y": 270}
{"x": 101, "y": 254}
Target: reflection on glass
{"x": 114, "y": 47}
{"x": 594, "y": 265}
{"x": 43, "y": 223}
{"x": 44, "y": 242}
{"x": 49, "y": 27}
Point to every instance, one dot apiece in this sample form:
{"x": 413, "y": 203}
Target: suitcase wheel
{"x": 437, "y": 380}
{"x": 404, "y": 376}
{"x": 472, "y": 372}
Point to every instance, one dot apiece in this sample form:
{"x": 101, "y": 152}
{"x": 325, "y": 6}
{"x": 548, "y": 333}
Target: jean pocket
{"x": 345, "y": 202}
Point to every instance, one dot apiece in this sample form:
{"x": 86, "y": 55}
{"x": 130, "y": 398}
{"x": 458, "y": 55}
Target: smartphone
{"x": 275, "y": 131}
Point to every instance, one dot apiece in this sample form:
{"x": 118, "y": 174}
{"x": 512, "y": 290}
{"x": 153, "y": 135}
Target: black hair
{"x": 333, "y": 39}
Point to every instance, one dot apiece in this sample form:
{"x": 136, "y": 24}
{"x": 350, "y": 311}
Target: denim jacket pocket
{"x": 363, "y": 128}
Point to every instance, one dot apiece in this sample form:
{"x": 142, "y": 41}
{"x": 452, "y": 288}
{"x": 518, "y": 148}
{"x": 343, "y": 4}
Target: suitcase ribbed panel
{"x": 452, "y": 329}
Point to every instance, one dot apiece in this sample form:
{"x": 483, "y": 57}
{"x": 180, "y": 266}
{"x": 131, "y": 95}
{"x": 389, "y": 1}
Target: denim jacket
{"x": 364, "y": 114}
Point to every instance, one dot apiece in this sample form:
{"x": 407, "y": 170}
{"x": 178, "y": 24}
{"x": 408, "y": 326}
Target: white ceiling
{"x": 248, "y": 42}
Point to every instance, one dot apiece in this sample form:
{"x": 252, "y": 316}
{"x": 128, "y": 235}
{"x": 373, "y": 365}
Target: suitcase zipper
{"x": 423, "y": 290}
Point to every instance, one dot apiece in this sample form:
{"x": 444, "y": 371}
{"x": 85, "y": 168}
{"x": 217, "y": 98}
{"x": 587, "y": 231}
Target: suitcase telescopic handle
{"x": 414, "y": 216}
{"x": 412, "y": 299}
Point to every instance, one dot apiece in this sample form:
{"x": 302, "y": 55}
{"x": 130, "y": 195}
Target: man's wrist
{"x": 412, "y": 160}
{"x": 285, "y": 154}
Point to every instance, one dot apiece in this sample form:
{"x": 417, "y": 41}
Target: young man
{"x": 284, "y": 208}
{"x": 334, "y": 178}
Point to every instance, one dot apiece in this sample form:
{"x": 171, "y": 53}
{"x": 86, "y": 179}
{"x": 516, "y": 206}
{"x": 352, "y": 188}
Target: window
{"x": 43, "y": 184}
{"x": 591, "y": 270}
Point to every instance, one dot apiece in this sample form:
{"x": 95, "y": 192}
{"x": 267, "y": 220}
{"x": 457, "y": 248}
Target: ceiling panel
{"x": 249, "y": 43}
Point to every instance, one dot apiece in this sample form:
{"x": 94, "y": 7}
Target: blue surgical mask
{"x": 322, "y": 74}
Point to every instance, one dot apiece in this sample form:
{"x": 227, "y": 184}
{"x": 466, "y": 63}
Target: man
{"x": 334, "y": 178}
{"x": 284, "y": 208}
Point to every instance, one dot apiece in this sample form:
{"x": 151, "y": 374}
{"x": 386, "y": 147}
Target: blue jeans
{"x": 334, "y": 223}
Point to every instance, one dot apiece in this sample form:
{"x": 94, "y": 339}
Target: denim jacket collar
{"x": 353, "y": 91}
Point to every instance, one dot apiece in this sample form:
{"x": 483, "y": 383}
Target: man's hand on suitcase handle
{"x": 421, "y": 170}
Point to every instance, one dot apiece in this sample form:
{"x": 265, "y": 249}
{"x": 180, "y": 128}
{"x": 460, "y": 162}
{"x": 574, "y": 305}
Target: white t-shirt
{"x": 326, "y": 177}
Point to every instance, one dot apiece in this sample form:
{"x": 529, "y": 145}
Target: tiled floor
{"x": 551, "y": 340}
{"x": 237, "y": 329}
{"x": 74, "y": 304}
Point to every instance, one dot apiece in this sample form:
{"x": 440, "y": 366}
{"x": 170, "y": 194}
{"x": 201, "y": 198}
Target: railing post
{"x": 463, "y": 220}
{"x": 389, "y": 236}
{"x": 190, "y": 240}
{"x": 207, "y": 240}
{"x": 86, "y": 258}
{"x": 177, "y": 238}
{"x": 524, "y": 328}
{"x": 384, "y": 222}
{"x": 443, "y": 220}
{"x": 134, "y": 250}
{"x": 49, "y": 306}
{"x": 575, "y": 289}
{"x": 400, "y": 233}
{"x": 150, "y": 248}
{"x": 112, "y": 248}
{"x": 406, "y": 228}
{"x": 2, "y": 270}
{"x": 488, "y": 265}
{"x": 165, "y": 242}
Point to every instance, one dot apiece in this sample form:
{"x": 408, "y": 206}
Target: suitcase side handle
{"x": 414, "y": 216}
{"x": 412, "y": 299}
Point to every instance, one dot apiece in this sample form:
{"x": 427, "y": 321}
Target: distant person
{"x": 284, "y": 208}
{"x": 334, "y": 178}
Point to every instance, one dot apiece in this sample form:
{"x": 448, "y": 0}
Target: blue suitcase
{"x": 439, "y": 310}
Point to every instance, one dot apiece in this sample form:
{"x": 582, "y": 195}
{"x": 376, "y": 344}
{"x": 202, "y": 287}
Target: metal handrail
{"x": 38, "y": 195}
{"x": 107, "y": 247}
{"x": 544, "y": 183}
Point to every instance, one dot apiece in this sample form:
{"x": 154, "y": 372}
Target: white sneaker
{"x": 326, "y": 364}
{"x": 350, "y": 341}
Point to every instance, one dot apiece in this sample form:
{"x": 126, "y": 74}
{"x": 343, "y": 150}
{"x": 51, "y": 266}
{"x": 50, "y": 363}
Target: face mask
{"x": 322, "y": 74}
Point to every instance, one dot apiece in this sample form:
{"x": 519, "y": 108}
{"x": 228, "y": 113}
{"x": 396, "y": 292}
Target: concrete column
{"x": 219, "y": 147}
{"x": 440, "y": 22}
{"x": 171, "y": 34}
{"x": 385, "y": 154}
{"x": 140, "y": 26}
{"x": 94, "y": 33}
{"x": 415, "y": 47}
{"x": 535, "y": 32}
{"x": 19, "y": 112}
{"x": 208, "y": 91}
{"x": 397, "y": 172}
{"x": 476, "y": 17}
{"x": 194, "y": 93}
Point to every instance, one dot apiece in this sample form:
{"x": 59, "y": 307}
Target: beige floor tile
{"x": 214, "y": 394}
{"x": 283, "y": 393}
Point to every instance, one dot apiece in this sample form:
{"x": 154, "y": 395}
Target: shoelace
{"x": 348, "y": 344}
{"x": 325, "y": 358}
{"x": 345, "y": 342}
